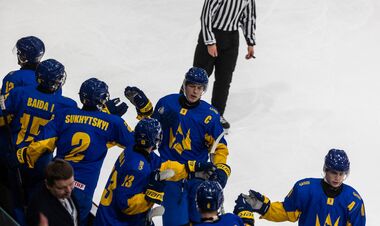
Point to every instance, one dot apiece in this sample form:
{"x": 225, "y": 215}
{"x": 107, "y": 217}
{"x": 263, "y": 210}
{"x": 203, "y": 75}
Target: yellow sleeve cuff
{"x": 220, "y": 155}
{"x": 36, "y": 149}
{"x": 225, "y": 168}
{"x": 154, "y": 194}
{"x": 145, "y": 111}
{"x": 137, "y": 204}
{"x": 277, "y": 213}
{"x": 180, "y": 171}
{"x": 147, "y": 108}
{"x": 246, "y": 214}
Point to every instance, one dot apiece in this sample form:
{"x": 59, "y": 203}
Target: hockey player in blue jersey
{"x": 209, "y": 200}
{"x": 190, "y": 128}
{"x": 29, "y": 52}
{"x": 31, "y": 108}
{"x": 314, "y": 202}
{"x": 82, "y": 137}
{"x": 134, "y": 184}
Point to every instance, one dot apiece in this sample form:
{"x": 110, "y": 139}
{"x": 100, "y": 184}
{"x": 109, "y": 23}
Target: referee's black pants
{"x": 227, "y": 44}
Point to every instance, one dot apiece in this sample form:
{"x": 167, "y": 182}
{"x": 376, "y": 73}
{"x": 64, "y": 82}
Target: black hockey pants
{"x": 227, "y": 43}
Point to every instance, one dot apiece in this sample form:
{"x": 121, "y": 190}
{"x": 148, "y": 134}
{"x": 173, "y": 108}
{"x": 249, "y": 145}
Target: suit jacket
{"x": 44, "y": 202}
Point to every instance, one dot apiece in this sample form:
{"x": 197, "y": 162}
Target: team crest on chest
{"x": 328, "y": 221}
{"x": 180, "y": 141}
{"x": 141, "y": 165}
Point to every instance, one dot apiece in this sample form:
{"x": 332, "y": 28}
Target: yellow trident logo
{"x": 179, "y": 141}
{"x": 328, "y": 221}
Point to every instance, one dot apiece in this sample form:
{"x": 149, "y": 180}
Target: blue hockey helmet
{"x": 209, "y": 196}
{"x": 30, "y": 50}
{"x": 196, "y": 75}
{"x": 50, "y": 75}
{"x": 148, "y": 133}
{"x": 94, "y": 93}
{"x": 337, "y": 160}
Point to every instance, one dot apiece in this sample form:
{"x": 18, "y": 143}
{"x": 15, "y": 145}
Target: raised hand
{"x": 244, "y": 210}
{"x": 258, "y": 202}
{"x": 116, "y": 108}
{"x": 137, "y": 97}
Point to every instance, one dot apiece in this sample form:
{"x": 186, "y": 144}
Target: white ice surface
{"x": 314, "y": 86}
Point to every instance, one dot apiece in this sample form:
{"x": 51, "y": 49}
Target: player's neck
{"x": 142, "y": 151}
{"x": 210, "y": 217}
{"x": 42, "y": 90}
{"x": 186, "y": 104}
{"x": 90, "y": 108}
{"x": 28, "y": 67}
{"x": 329, "y": 190}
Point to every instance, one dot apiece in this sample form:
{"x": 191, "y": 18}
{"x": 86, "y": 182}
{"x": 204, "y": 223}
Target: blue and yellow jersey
{"x": 82, "y": 138}
{"x": 123, "y": 200}
{"x": 19, "y": 78}
{"x": 224, "y": 220}
{"x": 192, "y": 137}
{"x": 14, "y": 79}
{"x": 308, "y": 204}
{"x": 31, "y": 110}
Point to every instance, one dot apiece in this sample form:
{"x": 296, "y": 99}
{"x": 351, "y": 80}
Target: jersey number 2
{"x": 80, "y": 141}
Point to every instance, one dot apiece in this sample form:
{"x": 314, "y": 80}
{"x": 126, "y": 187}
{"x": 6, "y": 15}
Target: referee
{"x": 218, "y": 43}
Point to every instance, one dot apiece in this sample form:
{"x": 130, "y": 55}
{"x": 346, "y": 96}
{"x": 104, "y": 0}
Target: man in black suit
{"x": 54, "y": 200}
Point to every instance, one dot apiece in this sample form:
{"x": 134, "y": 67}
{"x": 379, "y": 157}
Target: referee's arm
{"x": 209, "y": 9}
{"x": 248, "y": 22}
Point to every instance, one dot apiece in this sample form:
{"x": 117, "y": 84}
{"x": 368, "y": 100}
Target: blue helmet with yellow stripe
{"x": 148, "y": 133}
{"x": 209, "y": 196}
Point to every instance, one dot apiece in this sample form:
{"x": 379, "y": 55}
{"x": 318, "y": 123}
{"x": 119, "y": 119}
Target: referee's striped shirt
{"x": 228, "y": 15}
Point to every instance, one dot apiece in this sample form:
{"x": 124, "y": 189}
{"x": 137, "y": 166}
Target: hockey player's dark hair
{"x": 58, "y": 169}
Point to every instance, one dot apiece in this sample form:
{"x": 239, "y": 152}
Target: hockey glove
{"x": 155, "y": 189}
{"x": 137, "y": 97}
{"x": 221, "y": 174}
{"x": 197, "y": 166}
{"x": 202, "y": 170}
{"x": 15, "y": 160}
{"x": 244, "y": 211}
{"x": 116, "y": 108}
{"x": 167, "y": 117}
{"x": 259, "y": 203}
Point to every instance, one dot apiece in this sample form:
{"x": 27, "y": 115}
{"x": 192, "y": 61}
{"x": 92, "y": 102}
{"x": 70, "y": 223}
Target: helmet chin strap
{"x": 100, "y": 107}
